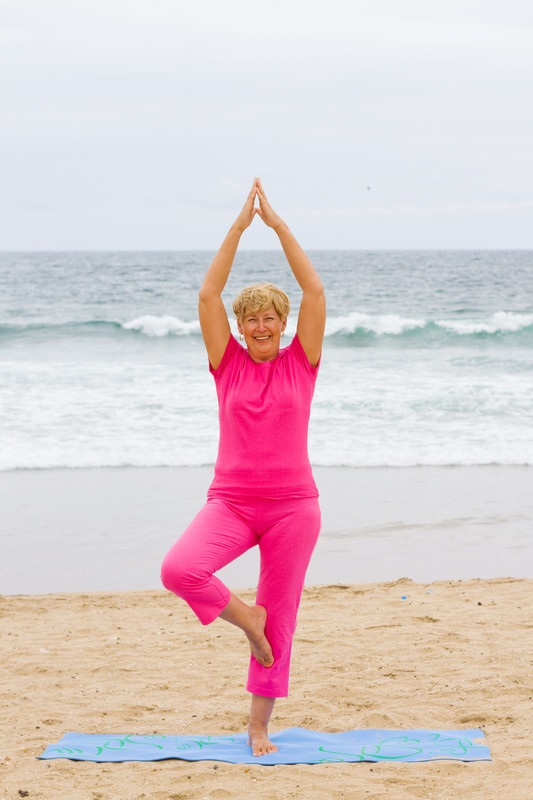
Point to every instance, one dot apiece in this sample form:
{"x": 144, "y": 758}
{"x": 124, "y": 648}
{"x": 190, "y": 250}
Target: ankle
{"x": 257, "y": 725}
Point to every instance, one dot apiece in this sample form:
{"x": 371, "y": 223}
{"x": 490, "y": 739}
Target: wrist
{"x": 237, "y": 230}
{"x": 281, "y": 227}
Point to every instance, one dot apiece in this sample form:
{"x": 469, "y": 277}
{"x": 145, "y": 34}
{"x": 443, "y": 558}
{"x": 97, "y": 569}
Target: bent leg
{"x": 286, "y": 548}
{"x": 251, "y": 620}
{"x": 215, "y": 537}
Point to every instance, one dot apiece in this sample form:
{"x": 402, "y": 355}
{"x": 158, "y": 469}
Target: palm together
{"x": 264, "y": 209}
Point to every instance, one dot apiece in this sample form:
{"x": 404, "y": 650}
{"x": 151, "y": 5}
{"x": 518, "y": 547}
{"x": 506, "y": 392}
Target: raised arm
{"x": 214, "y": 321}
{"x": 312, "y": 315}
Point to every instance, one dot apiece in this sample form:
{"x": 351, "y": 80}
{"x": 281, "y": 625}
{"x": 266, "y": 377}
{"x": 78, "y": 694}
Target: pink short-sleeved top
{"x": 264, "y": 418}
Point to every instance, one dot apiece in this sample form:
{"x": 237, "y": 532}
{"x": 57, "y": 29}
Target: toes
{"x": 264, "y": 749}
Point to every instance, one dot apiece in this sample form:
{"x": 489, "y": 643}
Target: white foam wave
{"x": 151, "y": 325}
{"x": 379, "y": 324}
{"x": 500, "y": 322}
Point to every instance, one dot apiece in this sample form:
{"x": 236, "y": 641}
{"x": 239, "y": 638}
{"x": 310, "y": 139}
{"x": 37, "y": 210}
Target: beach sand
{"x": 449, "y": 655}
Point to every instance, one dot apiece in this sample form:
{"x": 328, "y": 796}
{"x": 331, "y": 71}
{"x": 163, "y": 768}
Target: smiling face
{"x": 262, "y": 333}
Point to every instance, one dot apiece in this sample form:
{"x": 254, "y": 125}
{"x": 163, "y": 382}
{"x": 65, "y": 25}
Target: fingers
{"x": 264, "y": 206}
{"x": 251, "y": 196}
{"x": 261, "y": 191}
{"x": 265, "y": 210}
{"x": 258, "y": 192}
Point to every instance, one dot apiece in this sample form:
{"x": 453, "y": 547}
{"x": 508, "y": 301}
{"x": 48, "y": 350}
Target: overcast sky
{"x": 140, "y": 124}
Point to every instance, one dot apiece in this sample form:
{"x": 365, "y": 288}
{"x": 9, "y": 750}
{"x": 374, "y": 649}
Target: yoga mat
{"x": 296, "y": 746}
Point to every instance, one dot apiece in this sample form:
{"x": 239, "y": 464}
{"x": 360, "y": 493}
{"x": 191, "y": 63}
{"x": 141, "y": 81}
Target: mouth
{"x": 261, "y": 338}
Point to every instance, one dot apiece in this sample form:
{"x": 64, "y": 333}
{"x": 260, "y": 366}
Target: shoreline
{"x": 107, "y": 529}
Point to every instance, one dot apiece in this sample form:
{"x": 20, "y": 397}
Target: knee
{"x": 178, "y": 576}
{"x": 172, "y": 574}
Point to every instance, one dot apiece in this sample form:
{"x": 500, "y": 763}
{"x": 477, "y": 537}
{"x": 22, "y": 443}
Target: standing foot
{"x": 258, "y": 739}
{"x": 260, "y": 712}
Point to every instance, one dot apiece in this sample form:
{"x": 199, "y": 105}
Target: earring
{"x": 241, "y": 337}
{"x": 282, "y": 334}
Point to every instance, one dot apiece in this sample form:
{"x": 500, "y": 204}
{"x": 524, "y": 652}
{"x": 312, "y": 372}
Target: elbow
{"x": 320, "y": 293}
{"x": 314, "y": 287}
{"x": 314, "y": 298}
{"x": 205, "y": 294}
{"x": 317, "y": 287}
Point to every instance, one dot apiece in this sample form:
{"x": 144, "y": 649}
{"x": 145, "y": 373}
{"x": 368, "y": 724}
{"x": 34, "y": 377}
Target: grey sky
{"x": 140, "y": 124}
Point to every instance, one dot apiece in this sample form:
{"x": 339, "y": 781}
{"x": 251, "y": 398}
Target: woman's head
{"x": 259, "y": 297}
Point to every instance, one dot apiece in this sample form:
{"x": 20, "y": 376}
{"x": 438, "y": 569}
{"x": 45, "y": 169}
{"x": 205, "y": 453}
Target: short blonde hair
{"x": 259, "y": 297}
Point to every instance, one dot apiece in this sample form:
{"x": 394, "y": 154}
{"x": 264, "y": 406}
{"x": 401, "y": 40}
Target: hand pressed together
{"x": 264, "y": 209}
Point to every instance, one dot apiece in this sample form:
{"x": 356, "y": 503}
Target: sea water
{"x": 428, "y": 358}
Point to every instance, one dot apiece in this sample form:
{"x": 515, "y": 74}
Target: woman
{"x": 263, "y": 491}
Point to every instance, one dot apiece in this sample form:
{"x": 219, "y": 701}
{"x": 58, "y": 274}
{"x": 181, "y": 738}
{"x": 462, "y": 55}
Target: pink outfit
{"x": 263, "y": 493}
{"x": 264, "y": 417}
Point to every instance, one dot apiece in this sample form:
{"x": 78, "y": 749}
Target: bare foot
{"x": 259, "y": 645}
{"x": 258, "y": 739}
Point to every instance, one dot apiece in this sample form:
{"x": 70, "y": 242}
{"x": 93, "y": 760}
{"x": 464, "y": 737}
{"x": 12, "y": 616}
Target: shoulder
{"x": 233, "y": 352}
{"x": 295, "y": 352}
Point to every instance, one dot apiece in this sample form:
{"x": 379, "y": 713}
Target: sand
{"x": 450, "y": 655}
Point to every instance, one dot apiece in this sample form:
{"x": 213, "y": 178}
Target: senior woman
{"x": 263, "y": 492}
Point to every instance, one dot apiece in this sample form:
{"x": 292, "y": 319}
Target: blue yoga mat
{"x": 296, "y": 746}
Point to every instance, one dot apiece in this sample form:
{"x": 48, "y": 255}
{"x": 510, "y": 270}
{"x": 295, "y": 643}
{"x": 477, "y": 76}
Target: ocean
{"x": 427, "y": 361}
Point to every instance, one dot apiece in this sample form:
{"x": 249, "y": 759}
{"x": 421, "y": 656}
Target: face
{"x": 262, "y": 333}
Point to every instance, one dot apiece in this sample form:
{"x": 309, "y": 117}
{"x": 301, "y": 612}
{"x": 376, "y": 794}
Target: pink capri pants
{"x": 286, "y": 532}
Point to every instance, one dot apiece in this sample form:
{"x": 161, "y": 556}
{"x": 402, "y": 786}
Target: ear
{"x": 239, "y": 326}
{"x": 283, "y": 324}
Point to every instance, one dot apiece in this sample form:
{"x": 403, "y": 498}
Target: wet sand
{"x": 108, "y": 529}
